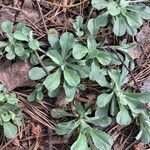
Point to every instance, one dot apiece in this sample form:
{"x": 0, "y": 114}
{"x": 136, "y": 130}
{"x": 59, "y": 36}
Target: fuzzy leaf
{"x": 20, "y": 36}
{"x": 37, "y": 73}
{"x": 52, "y": 81}
{"x": 79, "y": 51}
{"x": 59, "y": 113}
{"x": 123, "y": 117}
{"x": 7, "y": 26}
{"x": 71, "y": 77}
{"x": 101, "y": 140}
{"x": 104, "y": 99}
{"x": 10, "y": 130}
{"x": 80, "y": 143}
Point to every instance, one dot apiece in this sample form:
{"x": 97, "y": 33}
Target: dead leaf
{"x": 36, "y": 130}
{"x": 139, "y": 146}
{"x": 143, "y": 36}
{"x": 13, "y": 75}
{"x": 146, "y": 86}
{"x": 28, "y": 13}
{"x": 16, "y": 142}
{"x": 135, "y": 53}
{"x": 143, "y": 39}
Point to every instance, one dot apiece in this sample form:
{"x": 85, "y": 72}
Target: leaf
{"x": 119, "y": 27}
{"x": 83, "y": 70}
{"x": 134, "y": 20}
{"x": 104, "y": 58}
{"x": 100, "y": 121}
{"x": 12, "y": 99}
{"x": 2, "y": 97}
{"x": 124, "y": 3}
{"x": 55, "y": 56}
{"x": 39, "y": 95}
{"x": 66, "y": 42}
{"x": 101, "y": 140}
{"x": 66, "y": 127}
{"x": 59, "y": 113}
{"x": 19, "y": 50}
{"x": 141, "y": 97}
{"x": 78, "y": 25}
{"x": 93, "y": 26}
{"x": 113, "y": 8}
{"x": 96, "y": 75}
{"x": 7, "y": 26}
{"x": 10, "y": 130}
{"x": 54, "y": 93}
{"x": 144, "y": 134}
{"x": 114, "y": 107}
{"x": 104, "y": 99}
{"x": 31, "y": 96}
{"x": 115, "y": 76}
{"x": 102, "y": 20}
{"x": 123, "y": 117}
{"x": 54, "y": 41}
{"x": 52, "y": 81}
{"x": 3, "y": 44}
{"x": 37, "y": 73}
{"x": 71, "y": 77}
{"x": 69, "y": 91}
{"x": 80, "y": 143}
{"x": 34, "y": 44}
{"x": 99, "y": 4}
{"x": 10, "y": 55}
{"x": 79, "y": 51}
{"x": 20, "y": 36}
{"x": 6, "y": 116}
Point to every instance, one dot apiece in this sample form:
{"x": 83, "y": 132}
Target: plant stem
{"x": 42, "y": 64}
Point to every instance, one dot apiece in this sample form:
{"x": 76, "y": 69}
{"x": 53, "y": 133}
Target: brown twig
{"x": 42, "y": 64}
{"x": 41, "y": 13}
{"x": 13, "y": 138}
{"x": 65, "y": 6}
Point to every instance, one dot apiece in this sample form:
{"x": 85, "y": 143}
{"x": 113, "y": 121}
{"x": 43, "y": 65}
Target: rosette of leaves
{"x": 83, "y": 126}
{"x": 19, "y": 42}
{"x": 124, "y": 104}
{"x": 61, "y": 66}
{"x": 91, "y": 50}
{"x": 10, "y": 113}
{"x": 126, "y": 16}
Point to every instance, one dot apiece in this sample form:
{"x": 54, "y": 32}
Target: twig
{"x": 13, "y": 138}
{"x": 42, "y": 64}
{"x": 41, "y": 13}
{"x": 9, "y": 7}
{"x": 65, "y": 6}
{"x": 50, "y": 143}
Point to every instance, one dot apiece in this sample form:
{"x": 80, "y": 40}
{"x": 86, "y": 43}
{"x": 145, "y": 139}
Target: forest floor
{"x": 37, "y": 130}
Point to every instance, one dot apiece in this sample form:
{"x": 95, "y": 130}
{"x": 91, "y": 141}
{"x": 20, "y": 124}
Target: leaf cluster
{"x": 85, "y": 126}
{"x": 125, "y": 16}
{"x": 19, "y": 43}
{"x": 10, "y": 112}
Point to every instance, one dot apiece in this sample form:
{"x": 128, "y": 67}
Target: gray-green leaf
{"x": 104, "y": 99}
{"x": 37, "y": 73}
{"x": 81, "y": 143}
{"x": 10, "y": 130}
{"x": 52, "y": 81}
{"x": 71, "y": 77}
{"x": 79, "y": 51}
